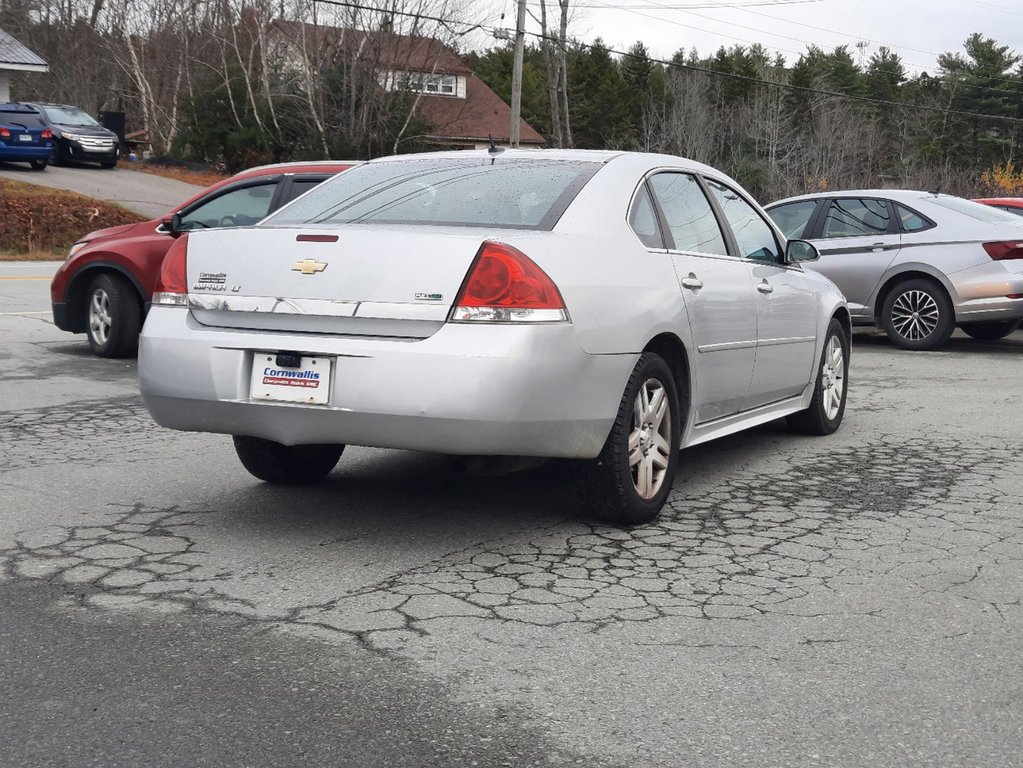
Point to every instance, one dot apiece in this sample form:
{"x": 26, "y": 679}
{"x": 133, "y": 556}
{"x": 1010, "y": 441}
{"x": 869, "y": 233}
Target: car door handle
{"x": 765, "y": 287}
{"x": 692, "y": 282}
{"x": 878, "y": 247}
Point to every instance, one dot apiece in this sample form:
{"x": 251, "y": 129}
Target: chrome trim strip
{"x": 727, "y": 345}
{"x": 219, "y": 302}
{"x": 791, "y": 340}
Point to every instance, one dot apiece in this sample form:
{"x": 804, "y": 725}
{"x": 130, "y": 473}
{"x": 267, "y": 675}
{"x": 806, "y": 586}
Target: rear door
{"x": 858, "y": 238}
{"x": 718, "y": 292}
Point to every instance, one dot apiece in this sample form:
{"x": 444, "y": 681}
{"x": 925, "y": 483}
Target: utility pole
{"x": 516, "y": 96}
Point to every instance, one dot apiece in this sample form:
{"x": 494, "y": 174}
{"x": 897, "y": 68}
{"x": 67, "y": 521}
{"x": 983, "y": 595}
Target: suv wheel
{"x": 113, "y": 317}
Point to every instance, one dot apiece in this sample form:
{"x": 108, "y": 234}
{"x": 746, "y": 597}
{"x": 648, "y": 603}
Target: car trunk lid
{"x": 356, "y": 280}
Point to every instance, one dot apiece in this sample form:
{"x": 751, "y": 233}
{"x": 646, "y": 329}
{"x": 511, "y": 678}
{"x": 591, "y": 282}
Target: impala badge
{"x": 429, "y": 297}
{"x": 309, "y": 266}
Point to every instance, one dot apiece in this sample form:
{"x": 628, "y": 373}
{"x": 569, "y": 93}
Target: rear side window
{"x": 517, "y": 193}
{"x": 690, "y": 218}
{"x": 911, "y": 221}
{"x": 643, "y": 220}
{"x": 793, "y": 218}
{"x": 856, "y": 217}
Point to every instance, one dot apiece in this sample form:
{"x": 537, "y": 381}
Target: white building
{"x": 15, "y": 57}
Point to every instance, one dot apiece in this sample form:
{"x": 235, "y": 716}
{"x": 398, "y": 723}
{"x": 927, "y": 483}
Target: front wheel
{"x": 917, "y": 314}
{"x": 628, "y": 483}
{"x": 992, "y": 329}
{"x": 827, "y": 406}
{"x": 113, "y": 317}
{"x": 286, "y": 464}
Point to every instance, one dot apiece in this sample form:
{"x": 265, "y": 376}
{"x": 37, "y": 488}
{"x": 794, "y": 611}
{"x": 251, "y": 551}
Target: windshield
{"x": 517, "y": 193}
{"x": 974, "y": 210}
{"x": 70, "y": 116}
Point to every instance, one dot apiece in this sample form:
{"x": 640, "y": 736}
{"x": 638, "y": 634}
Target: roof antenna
{"x": 494, "y": 150}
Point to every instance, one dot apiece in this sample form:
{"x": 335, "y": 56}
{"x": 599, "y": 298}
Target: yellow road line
{"x": 27, "y": 278}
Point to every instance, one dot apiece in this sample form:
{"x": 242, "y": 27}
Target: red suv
{"x": 104, "y": 287}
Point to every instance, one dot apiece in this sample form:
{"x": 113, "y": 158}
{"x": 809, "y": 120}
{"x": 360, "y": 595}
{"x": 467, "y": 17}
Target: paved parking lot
{"x": 844, "y": 601}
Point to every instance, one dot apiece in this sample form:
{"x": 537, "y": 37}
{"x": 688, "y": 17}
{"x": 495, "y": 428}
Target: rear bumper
{"x": 484, "y": 390}
{"x": 23, "y": 152}
{"x": 983, "y": 292}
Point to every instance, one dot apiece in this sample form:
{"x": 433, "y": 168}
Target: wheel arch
{"x": 842, "y": 315}
{"x": 78, "y": 287}
{"x": 673, "y": 351}
{"x": 909, "y": 274}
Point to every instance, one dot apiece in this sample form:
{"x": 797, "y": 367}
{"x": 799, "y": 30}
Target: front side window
{"x": 515, "y": 193}
{"x": 689, "y": 214}
{"x": 238, "y": 208}
{"x": 793, "y": 218}
{"x": 753, "y": 234}
{"x": 856, "y": 217}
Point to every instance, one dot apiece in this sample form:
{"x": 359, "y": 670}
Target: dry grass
{"x": 42, "y": 223}
{"x": 201, "y": 178}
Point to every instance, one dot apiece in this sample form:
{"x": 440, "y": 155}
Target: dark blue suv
{"x": 24, "y": 135}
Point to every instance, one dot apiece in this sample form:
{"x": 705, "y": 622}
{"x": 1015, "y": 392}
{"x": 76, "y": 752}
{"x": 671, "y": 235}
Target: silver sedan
{"x": 604, "y": 306}
{"x": 916, "y": 264}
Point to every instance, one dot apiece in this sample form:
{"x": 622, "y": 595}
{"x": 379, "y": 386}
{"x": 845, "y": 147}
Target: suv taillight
{"x": 1005, "y": 251}
{"x": 504, "y": 285}
{"x": 172, "y": 282}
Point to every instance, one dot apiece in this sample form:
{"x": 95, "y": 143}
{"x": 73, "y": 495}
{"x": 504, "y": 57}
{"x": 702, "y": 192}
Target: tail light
{"x": 47, "y": 133}
{"x": 172, "y": 282}
{"x": 5, "y": 133}
{"x": 1005, "y": 251}
{"x": 504, "y": 285}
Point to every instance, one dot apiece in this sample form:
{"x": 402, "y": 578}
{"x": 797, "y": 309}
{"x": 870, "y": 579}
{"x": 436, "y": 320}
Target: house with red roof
{"x": 461, "y": 110}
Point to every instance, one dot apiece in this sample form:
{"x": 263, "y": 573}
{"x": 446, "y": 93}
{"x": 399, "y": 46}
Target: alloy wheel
{"x": 99, "y": 316}
{"x": 650, "y": 438}
{"x": 833, "y": 377}
{"x": 915, "y": 315}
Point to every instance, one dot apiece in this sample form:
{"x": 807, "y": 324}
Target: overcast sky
{"x": 915, "y": 29}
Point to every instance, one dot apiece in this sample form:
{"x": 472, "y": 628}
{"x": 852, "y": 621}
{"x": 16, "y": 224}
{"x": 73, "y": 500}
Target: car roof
{"x": 899, "y": 195}
{"x": 300, "y": 166}
{"x": 18, "y": 106}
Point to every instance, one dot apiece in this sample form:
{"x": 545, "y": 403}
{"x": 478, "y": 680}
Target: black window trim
{"x": 666, "y": 236}
{"x": 644, "y": 187}
{"x": 931, "y": 224}
{"x": 818, "y": 229}
{"x": 731, "y": 241}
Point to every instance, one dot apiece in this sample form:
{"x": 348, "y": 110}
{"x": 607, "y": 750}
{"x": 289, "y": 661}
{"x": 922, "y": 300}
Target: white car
{"x": 916, "y": 264}
{"x": 606, "y": 306}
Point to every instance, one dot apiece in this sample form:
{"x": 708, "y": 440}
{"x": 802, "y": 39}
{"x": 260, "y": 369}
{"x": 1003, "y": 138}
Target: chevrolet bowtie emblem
{"x": 309, "y": 266}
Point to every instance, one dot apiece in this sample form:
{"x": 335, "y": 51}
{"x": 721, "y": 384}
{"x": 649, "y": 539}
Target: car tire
{"x": 991, "y": 330}
{"x": 628, "y": 483}
{"x": 108, "y": 164}
{"x": 55, "y": 156}
{"x": 917, "y": 314}
{"x": 286, "y": 464}
{"x": 38, "y": 165}
{"x": 113, "y": 317}
{"x": 827, "y": 406}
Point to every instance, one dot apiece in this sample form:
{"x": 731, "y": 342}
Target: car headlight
{"x": 71, "y": 136}
{"x": 76, "y": 248}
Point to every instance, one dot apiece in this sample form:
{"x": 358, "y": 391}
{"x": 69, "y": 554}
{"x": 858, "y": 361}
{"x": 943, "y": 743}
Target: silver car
{"x": 605, "y": 306}
{"x": 916, "y": 264}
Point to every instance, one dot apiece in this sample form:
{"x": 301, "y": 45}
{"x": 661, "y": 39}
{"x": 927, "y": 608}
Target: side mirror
{"x": 800, "y": 250}
{"x": 172, "y": 224}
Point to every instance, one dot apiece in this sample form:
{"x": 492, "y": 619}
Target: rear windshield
{"x": 516, "y": 193}
{"x": 974, "y": 210}
{"x": 21, "y": 116}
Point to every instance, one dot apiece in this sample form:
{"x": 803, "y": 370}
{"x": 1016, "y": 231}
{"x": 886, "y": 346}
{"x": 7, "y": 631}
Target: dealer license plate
{"x": 309, "y": 382}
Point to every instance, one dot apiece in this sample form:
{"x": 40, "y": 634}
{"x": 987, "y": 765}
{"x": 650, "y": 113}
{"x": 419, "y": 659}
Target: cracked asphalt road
{"x": 843, "y": 601}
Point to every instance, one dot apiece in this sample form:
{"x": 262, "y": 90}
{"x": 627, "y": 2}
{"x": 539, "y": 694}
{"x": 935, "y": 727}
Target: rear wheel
{"x": 992, "y": 329}
{"x": 917, "y": 314}
{"x": 38, "y": 165}
{"x": 286, "y": 464}
{"x": 827, "y": 407}
{"x": 113, "y": 317}
{"x": 628, "y": 483}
